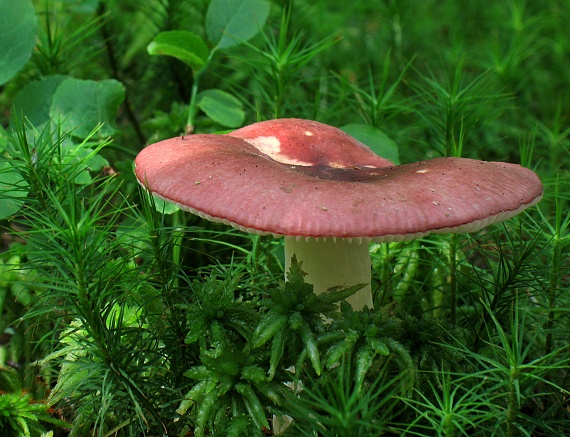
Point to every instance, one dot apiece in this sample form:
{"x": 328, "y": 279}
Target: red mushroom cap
{"x": 309, "y": 143}
{"x": 253, "y": 179}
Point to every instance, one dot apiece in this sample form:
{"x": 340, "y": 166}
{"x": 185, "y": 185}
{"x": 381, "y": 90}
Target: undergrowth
{"x": 124, "y": 316}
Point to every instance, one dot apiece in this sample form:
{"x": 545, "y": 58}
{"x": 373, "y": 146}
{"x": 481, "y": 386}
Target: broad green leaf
{"x": 374, "y": 138}
{"x": 91, "y": 161}
{"x": 80, "y": 105}
{"x": 18, "y": 24}
{"x": 221, "y": 107}
{"x": 13, "y": 190}
{"x": 231, "y": 22}
{"x": 82, "y": 6}
{"x": 3, "y": 138}
{"x": 34, "y": 100}
{"x": 165, "y": 207}
{"x": 182, "y": 45}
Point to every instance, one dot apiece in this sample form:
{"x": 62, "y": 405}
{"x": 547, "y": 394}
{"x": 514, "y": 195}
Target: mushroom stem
{"x": 330, "y": 263}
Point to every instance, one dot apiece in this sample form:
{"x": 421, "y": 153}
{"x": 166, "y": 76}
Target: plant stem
{"x": 193, "y": 105}
{"x": 552, "y": 293}
{"x": 177, "y": 236}
{"x": 553, "y": 283}
{"x": 452, "y": 279}
{"x": 512, "y": 404}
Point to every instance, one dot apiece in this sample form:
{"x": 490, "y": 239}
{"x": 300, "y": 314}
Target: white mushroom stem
{"x": 330, "y": 263}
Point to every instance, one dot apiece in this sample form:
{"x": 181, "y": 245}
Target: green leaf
{"x": 164, "y": 207}
{"x": 89, "y": 159}
{"x": 364, "y": 360}
{"x": 254, "y": 374}
{"x": 374, "y": 138}
{"x": 13, "y": 190}
{"x": 295, "y": 281}
{"x": 268, "y": 326}
{"x": 18, "y": 24}
{"x": 253, "y": 405}
{"x": 3, "y": 139}
{"x": 83, "y": 104}
{"x": 34, "y": 100}
{"x": 227, "y": 363}
{"x": 198, "y": 373}
{"x": 277, "y": 348}
{"x": 231, "y": 22}
{"x": 337, "y": 350}
{"x": 310, "y": 341}
{"x": 221, "y": 107}
{"x": 378, "y": 346}
{"x": 10, "y": 380}
{"x": 204, "y": 413}
{"x": 182, "y": 45}
{"x": 82, "y": 6}
{"x": 295, "y": 320}
{"x": 239, "y": 426}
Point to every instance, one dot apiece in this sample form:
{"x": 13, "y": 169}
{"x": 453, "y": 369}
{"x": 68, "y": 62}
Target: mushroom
{"x": 328, "y": 194}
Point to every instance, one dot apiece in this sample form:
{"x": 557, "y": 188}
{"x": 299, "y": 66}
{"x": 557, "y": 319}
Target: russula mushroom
{"x": 328, "y": 194}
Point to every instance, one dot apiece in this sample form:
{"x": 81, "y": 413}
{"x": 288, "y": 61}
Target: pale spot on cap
{"x": 271, "y": 146}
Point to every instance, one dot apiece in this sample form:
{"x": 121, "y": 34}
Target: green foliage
{"x": 381, "y": 101}
{"x": 457, "y": 106}
{"x": 79, "y": 106}
{"x": 374, "y": 138}
{"x": 221, "y": 107}
{"x": 18, "y": 36}
{"x": 13, "y": 188}
{"x": 217, "y": 304}
{"x": 122, "y": 315}
{"x": 20, "y": 416}
{"x": 35, "y": 100}
{"x": 82, "y": 105}
{"x": 229, "y": 23}
{"x": 229, "y": 381}
{"x": 182, "y": 45}
{"x": 337, "y": 405}
{"x": 454, "y": 409}
{"x": 295, "y": 319}
{"x": 280, "y": 60}
{"x": 492, "y": 399}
